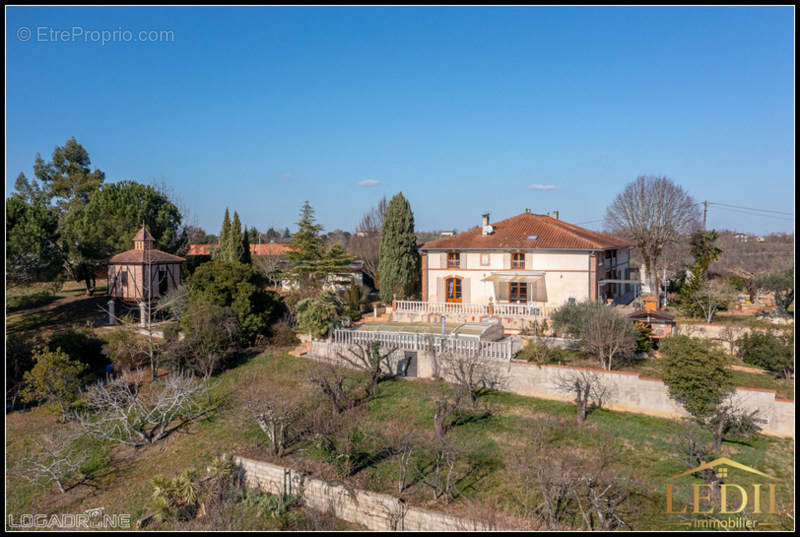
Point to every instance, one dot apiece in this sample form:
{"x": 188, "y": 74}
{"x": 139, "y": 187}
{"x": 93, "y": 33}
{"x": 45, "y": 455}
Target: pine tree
{"x": 246, "y": 259}
{"x": 223, "y": 247}
{"x": 399, "y": 260}
{"x": 311, "y": 261}
{"x": 236, "y": 247}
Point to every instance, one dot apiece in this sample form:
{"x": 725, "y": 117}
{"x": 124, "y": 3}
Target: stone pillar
{"x": 111, "y": 318}
{"x": 143, "y": 314}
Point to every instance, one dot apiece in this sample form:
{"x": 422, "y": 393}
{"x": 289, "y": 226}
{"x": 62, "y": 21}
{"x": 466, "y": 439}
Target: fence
{"x": 501, "y": 309}
{"x": 505, "y": 349}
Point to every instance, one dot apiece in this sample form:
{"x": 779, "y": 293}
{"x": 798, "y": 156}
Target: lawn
{"x": 40, "y": 309}
{"x": 487, "y": 438}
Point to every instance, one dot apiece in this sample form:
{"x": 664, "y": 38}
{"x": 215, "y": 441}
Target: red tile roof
{"x": 140, "y": 257}
{"x": 269, "y": 248}
{"x": 513, "y": 233}
{"x": 199, "y": 249}
{"x": 255, "y": 249}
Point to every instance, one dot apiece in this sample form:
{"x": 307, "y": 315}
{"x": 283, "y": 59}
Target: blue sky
{"x": 464, "y": 110}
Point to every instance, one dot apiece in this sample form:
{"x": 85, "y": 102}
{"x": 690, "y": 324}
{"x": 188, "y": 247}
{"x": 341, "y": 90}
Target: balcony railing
{"x": 499, "y": 308}
{"x": 504, "y": 349}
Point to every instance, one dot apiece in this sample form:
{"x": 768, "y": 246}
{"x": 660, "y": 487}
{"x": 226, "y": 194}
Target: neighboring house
{"x": 128, "y": 272}
{"x": 255, "y": 249}
{"x": 522, "y": 266}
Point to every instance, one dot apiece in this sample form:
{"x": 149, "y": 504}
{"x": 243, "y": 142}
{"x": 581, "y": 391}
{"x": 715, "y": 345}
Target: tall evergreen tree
{"x": 246, "y": 259}
{"x": 399, "y": 261}
{"x": 237, "y": 251}
{"x": 312, "y": 263}
{"x": 223, "y": 245}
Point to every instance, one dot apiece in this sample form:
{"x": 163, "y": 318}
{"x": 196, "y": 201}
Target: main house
{"x": 522, "y": 266}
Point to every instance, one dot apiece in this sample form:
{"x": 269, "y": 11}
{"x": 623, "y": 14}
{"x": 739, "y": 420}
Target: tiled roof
{"x": 137, "y": 257}
{"x": 143, "y": 234}
{"x": 269, "y": 248}
{"x": 255, "y": 249}
{"x": 513, "y": 233}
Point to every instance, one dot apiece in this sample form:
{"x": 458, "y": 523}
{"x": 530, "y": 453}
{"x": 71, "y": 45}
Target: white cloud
{"x": 369, "y": 182}
{"x": 543, "y": 187}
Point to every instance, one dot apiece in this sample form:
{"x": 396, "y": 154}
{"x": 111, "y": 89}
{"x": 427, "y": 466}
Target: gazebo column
{"x": 143, "y": 313}
{"x": 111, "y": 317}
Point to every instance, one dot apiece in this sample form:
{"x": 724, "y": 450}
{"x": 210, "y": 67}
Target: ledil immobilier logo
{"x": 724, "y": 504}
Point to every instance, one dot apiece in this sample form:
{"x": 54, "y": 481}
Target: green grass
{"x": 487, "y": 440}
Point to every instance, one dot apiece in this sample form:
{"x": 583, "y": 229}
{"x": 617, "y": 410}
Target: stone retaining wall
{"x": 376, "y": 511}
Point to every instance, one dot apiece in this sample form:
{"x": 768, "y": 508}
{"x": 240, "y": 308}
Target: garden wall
{"x": 376, "y": 511}
{"x": 627, "y": 391}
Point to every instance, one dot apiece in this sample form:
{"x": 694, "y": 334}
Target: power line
{"x": 749, "y": 213}
{"x": 750, "y": 208}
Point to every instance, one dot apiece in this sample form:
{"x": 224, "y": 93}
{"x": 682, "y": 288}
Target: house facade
{"x": 522, "y": 267}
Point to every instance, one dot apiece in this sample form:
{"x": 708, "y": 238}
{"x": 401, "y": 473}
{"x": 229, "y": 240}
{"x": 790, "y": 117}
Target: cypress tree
{"x": 399, "y": 262}
{"x": 236, "y": 251}
{"x": 223, "y": 247}
{"x": 246, "y": 259}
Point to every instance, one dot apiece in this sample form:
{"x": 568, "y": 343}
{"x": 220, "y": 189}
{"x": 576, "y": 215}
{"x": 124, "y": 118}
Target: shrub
{"x": 540, "y": 352}
{"x": 768, "y": 351}
{"x": 171, "y": 331}
{"x": 81, "y": 345}
{"x": 211, "y": 337}
{"x": 19, "y": 360}
{"x": 353, "y": 301}
{"x": 54, "y": 378}
{"x": 643, "y": 341}
{"x": 316, "y": 316}
{"x": 283, "y": 335}
{"x": 241, "y": 288}
{"x": 126, "y": 349}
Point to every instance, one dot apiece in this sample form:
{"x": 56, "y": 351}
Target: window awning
{"x": 513, "y": 276}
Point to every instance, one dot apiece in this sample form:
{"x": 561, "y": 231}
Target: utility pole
{"x": 705, "y": 213}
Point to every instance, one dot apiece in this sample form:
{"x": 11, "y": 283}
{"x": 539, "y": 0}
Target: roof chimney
{"x": 554, "y": 215}
{"x": 484, "y": 219}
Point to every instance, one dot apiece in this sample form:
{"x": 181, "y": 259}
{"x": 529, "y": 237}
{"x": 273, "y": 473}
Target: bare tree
{"x": 368, "y": 359}
{"x": 471, "y": 372}
{"x": 712, "y": 296}
{"x": 730, "y": 419}
{"x": 608, "y": 335}
{"x": 276, "y": 413}
{"x": 127, "y": 411}
{"x": 444, "y": 406}
{"x": 652, "y": 212}
{"x": 270, "y": 265}
{"x": 589, "y": 390}
{"x": 57, "y": 461}
{"x": 440, "y": 474}
{"x": 729, "y": 336}
{"x": 330, "y": 381}
{"x": 211, "y": 336}
{"x": 366, "y": 241}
